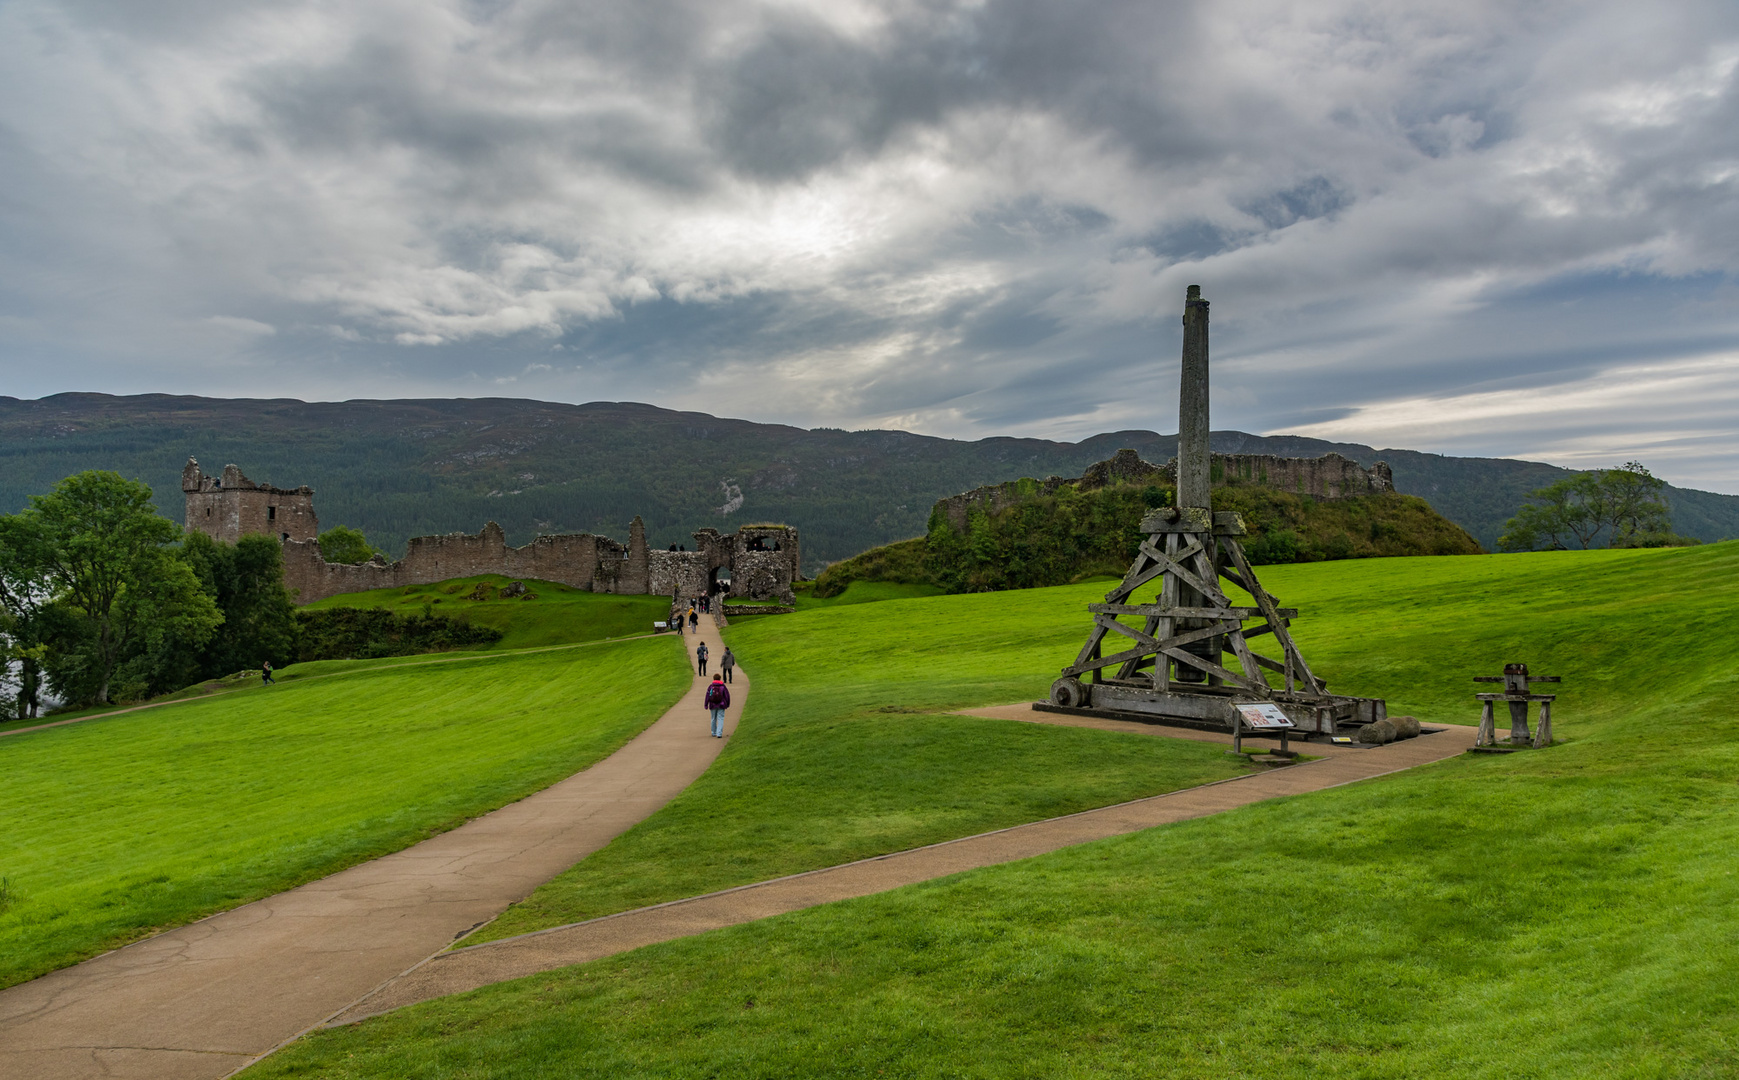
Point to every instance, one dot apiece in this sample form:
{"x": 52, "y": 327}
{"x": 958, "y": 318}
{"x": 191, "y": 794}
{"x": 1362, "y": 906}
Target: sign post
{"x": 1259, "y": 717}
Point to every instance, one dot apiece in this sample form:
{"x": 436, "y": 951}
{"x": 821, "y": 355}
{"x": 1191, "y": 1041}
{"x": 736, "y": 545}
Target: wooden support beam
{"x": 1215, "y": 669}
{"x": 1276, "y": 623}
{"x": 1162, "y": 610}
{"x": 1176, "y": 565}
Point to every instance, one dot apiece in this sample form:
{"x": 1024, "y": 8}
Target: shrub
{"x": 366, "y": 633}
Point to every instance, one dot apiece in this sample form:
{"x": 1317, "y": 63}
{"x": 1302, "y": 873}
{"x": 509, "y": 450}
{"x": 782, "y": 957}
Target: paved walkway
{"x": 207, "y": 999}
{"x": 545, "y": 950}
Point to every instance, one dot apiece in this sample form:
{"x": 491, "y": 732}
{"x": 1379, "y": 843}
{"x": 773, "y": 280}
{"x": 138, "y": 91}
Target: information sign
{"x": 1263, "y": 716}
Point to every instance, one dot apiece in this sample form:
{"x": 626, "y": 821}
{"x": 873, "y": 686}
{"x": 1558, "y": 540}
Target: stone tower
{"x": 230, "y": 507}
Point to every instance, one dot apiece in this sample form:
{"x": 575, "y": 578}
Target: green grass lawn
{"x": 118, "y": 826}
{"x": 1564, "y": 913}
{"x": 560, "y": 613}
{"x": 839, "y": 755}
{"x": 863, "y": 592}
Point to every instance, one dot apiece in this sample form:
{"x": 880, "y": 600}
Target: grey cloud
{"x": 976, "y": 216}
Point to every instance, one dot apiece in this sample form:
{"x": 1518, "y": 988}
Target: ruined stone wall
{"x": 581, "y": 560}
{"x": 230, "y": 507}
{"x": 1328, "y": 477}
{"x": 763, "y": 575}
{"x": 677, "y": 573}
{"x": 766, "y": 561}
{"x": 994, "y": 497}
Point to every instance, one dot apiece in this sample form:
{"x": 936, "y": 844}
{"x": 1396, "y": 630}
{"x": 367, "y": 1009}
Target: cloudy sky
{"x": 1469, "y": 227}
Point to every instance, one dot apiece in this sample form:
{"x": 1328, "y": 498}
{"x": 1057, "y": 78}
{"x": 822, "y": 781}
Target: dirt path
{"x": 544, "y": 950}
{"x": 206, "y": 999}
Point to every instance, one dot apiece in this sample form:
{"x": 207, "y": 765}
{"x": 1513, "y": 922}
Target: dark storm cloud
{"x": 967, "y": 218}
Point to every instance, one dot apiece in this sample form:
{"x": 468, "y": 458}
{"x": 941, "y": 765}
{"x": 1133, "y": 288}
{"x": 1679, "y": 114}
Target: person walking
{"x": 693, "y": 620}
{"x": 718, "y": 699}
{"x": 700, "y": 652}
{"x": 266, "y": 674}
{"x": 727, "y": 663}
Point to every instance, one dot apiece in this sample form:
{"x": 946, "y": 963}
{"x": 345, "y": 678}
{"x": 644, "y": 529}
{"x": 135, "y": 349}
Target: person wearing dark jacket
{"x": 700, "y": 652}
{"x": 727, "y": 663}
{"x": 718, "y": 699}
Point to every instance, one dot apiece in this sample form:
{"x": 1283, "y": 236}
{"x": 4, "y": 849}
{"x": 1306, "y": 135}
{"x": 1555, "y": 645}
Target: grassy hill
{"x": 1569, "y": 912}
{"x": 398, "y": 469}
{"x": 552, "y": 614}
{"x": 125, "y": 824}
{"x": 1049, "y": 538}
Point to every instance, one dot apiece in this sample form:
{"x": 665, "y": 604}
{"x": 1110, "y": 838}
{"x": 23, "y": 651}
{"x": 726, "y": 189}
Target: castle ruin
{"x": 757, "y": 562}
{"x": 231, "y": 506}
{"x": 1330, "y": 477}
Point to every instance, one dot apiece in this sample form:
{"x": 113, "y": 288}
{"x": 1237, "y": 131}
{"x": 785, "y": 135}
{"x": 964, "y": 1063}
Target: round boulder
{"x": 1377, "y": 734}
{"x": 1405, "y": 726}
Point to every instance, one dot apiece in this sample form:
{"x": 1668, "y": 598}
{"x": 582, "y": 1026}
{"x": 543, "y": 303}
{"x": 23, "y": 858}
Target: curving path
{"x": 545, "y": 950}
{"x": 207, "y": 999}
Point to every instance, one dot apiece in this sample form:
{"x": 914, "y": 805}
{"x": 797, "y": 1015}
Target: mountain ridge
{"x": 398, "y": 468}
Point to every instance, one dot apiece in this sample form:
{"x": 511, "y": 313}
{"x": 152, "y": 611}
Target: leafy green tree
{"x": 246, "y": 582}
{"x": 1627, "y": 504}
{"x": 24, "y": 594}
{"x": 118, "y": 588}
{"x": 1635, "y": 505}
{"x": 342, "y": 544}
{"x": 1573, "y": 509}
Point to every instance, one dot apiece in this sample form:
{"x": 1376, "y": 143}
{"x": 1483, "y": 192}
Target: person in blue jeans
{"x": 718, "y": 699}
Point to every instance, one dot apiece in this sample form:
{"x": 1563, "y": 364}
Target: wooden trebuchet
{"x": 1169, "y": 661}
{"x": 1169, "y": 664}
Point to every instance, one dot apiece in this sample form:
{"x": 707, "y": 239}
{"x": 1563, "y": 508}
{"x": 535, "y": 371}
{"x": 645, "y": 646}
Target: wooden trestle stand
{"x": 1516, "y": 679}
{"x": 1171, "y": 670}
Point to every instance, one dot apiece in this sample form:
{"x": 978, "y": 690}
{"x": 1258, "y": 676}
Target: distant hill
{"x": 1025, "y": 534}
{"x": 403, "y": 468}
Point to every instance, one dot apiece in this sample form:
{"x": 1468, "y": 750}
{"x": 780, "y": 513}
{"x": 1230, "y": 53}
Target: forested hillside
{"x": 397, "y": 469}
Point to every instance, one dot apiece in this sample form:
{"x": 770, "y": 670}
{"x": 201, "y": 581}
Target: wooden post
{"x": 1487, "y": 727}
{"x": 1518, "y": 722}
{"x": 1543, "y": 737}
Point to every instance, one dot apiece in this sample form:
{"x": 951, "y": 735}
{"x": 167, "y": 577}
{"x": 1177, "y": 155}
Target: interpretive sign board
{"x": 1262, "y": 716}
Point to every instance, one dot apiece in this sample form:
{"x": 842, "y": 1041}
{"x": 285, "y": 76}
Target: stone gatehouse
{"x": 757, "y": 562}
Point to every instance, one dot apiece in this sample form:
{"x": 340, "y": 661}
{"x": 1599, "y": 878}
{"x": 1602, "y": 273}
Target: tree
{"x": 246, "y": 582}
{"x": 119, "y": 590}
{"x": 24, "y": 594}
{"x": 346, "y": 545}
{"x": 1626, "y": 503}
{"x": 1636, "y": 505}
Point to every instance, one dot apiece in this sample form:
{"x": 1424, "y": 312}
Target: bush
{"x": 367, "y": 633}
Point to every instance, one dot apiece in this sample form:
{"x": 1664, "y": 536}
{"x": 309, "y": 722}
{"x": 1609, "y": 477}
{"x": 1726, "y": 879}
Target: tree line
{"x": 103, "y": 600}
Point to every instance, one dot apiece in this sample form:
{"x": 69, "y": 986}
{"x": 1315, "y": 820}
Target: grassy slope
{"x": 838, "y": 760}
{"x": 559, "y": 614}
{"x": 115, "y": 827}
{"x": 1567, "y": 913}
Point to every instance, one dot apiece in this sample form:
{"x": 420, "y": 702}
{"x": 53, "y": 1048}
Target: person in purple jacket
{"x": 718, "y": 699}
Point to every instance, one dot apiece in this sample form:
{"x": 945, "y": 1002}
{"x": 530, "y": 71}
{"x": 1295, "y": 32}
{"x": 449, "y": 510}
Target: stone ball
{"x": 1378, "y": 733}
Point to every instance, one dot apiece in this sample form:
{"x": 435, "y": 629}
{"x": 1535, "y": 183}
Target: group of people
{"x": 718, "y": 697}
{"x": 688, "y": 613}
